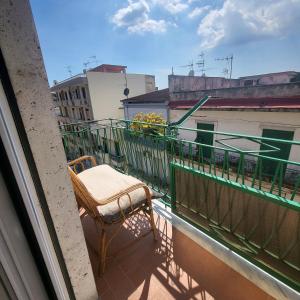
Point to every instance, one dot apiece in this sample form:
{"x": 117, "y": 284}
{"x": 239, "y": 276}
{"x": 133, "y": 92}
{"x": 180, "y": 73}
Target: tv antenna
{"x": 191, "y": 66}
{"x": 69, "y": 69}
{"x": 201, "y": 63}
{"x": 94, "y": 59}
{"x": 225, "y": 72}
{"x": 229, "y": 60}
{"x": 85, "y": 64}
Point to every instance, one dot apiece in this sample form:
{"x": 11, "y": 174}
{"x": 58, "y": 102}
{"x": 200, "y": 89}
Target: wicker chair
{"x": 97, "y": 191}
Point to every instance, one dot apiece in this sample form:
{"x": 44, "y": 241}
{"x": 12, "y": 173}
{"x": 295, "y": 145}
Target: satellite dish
{"x": 126, "y": 92}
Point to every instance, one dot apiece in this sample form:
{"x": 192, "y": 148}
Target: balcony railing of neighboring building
{"x": 247, "y": 199}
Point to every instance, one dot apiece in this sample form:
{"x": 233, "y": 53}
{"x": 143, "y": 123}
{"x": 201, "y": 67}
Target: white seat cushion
{"x": 103, "y": 182}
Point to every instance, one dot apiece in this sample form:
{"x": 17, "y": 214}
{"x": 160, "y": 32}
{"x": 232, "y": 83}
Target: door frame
{"x": 17, "y": 148}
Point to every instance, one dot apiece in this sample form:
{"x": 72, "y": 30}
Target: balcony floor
{"x": 174, "y": 267}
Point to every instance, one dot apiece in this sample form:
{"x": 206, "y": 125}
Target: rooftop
{"x": 290, "y": 103}
{"x": 153, "y": 97}
{"x": 270, "y": 74}
{"x": 259, "y": 103}
{"x": 73, "y": 80}
{"x": 109, "y": 68}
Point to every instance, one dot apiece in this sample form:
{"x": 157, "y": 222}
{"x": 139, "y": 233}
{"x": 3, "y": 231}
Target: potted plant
{"x": 147, "y": 129}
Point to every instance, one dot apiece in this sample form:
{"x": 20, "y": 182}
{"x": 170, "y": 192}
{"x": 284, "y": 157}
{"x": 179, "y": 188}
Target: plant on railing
{"x": 150, "y": 123}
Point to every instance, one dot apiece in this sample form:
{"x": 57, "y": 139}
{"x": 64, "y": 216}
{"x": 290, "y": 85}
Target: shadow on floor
{"x": 174, "y": 267}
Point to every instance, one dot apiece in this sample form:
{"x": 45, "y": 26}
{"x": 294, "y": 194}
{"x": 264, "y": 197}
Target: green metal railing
{"x": 235, "y": 182}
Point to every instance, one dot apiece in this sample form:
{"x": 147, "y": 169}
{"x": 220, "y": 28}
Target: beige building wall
{"x": 243, "y": 122}
{"x": 106, "y": 91}
{"x": 272, "y": 78}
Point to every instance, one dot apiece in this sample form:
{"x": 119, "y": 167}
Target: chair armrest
{"x": 126, "y": 192}
{"x": 80, "y": 160}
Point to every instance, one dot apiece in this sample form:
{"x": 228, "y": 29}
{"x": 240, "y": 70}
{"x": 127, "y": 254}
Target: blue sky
{"x": 151, "y": 36}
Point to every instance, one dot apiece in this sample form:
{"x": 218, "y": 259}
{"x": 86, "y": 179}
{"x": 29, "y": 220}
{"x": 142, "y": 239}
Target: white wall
{"x": 106, "y": 91}
{"x": 243, "y": 122}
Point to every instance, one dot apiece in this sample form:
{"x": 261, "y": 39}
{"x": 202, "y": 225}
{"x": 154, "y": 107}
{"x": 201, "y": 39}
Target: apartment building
{"x": 154, "y": 102}
{"x": 269, "y": 78}
{"x": 71, "y": 99}
{"x": 183, "y": 88}
{"x": 181, "y": 83}
{"x": 267, "y": 110}
{"x": 107, "y": 84}
{"x": 96, "y": 93}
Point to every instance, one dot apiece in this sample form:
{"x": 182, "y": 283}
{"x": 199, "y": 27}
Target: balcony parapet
{"x": 235, "y": 190}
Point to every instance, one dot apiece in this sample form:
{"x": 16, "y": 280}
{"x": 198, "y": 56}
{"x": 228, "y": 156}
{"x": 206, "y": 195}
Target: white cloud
{"x": 135, "y": 17}
{"x": 242, "y": 21}
{"x": 149, "y": 25}
{"x": 172, "y": 6}
{"x": 133, "y": 13}
{"x": 198, "y": 11}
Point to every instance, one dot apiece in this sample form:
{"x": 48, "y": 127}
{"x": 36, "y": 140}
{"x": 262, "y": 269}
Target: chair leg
{"x": 102, "y": 254}
{"x": 154, "y": 231}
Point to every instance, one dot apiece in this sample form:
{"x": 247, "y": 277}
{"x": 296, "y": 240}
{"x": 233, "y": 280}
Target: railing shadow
{"x": 174, "y": 267}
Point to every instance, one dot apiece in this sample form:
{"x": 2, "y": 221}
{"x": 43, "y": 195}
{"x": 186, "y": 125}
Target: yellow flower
{"x": 150, "y": 118}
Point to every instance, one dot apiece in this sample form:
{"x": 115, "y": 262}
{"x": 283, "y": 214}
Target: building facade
{"x": 181, "y": 83}
{"x": 266, "y": 110}
{"x": 72, "y": 100}
{"x": 156, "y": 102}
{"x": 270, "y": 78}
{"x": 261, "y": 117}
{"x": 195, "y": 87}
{"x": 107, "y": 88}
{"x": 268, "y": 106}
{"x": 96, "y": 93}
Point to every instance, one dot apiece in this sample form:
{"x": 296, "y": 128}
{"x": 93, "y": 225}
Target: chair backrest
{"x": 81, "y": 162}
{"x": 83, "y": 197}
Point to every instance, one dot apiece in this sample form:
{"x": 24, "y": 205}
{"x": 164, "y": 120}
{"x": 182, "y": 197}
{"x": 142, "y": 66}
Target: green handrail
{"x": 197, "y": 106}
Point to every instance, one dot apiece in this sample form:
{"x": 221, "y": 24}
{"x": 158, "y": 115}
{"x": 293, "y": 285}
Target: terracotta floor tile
{"x": 102, "y": 286}
{"x": 174, "y": 267}
{"x": 108, "y": 295}
{"x": 118, "y": 283}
